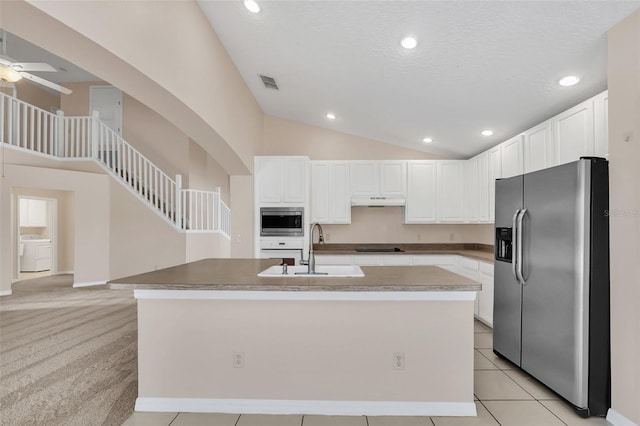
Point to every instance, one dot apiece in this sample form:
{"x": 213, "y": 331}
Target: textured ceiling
{"x": 478, "y": 64}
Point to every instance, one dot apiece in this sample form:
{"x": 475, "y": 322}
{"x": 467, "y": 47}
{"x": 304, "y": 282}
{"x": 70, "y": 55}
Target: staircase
{"x": 27, "y": 127}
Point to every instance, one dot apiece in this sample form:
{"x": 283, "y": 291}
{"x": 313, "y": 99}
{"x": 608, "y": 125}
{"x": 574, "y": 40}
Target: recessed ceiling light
{"x": 252, "y": 6}
{"x": 427, "y": 140}
{"x": 569, "y": 80}
{"x": 487, "y": 132}
{"x": 330, "y": 116}
{"x": 409, "y": 42}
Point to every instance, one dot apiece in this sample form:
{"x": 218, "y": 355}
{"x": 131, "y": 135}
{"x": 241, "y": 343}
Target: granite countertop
{"x": 475, "y": 251}
{"x": 241, "y": 275}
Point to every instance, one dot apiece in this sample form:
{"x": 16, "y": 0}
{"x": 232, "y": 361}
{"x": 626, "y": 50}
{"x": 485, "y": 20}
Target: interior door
{"x": 507, "y": 290}
{"x": 554, "y": 308}
{"x": 107, "y": 100}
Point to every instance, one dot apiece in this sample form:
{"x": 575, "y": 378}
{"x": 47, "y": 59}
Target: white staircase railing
{"x": 28, "y": 127}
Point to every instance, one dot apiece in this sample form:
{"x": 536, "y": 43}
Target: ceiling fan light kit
{"x": 8, "y": 74}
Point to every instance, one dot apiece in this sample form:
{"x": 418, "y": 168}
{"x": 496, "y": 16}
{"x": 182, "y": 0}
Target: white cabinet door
{"x": 471, "y": 189}
{"x": 330, "y": 196}
{"x": 339, "y": 194}
{"x": 495, "y": 172}
{"x": 512, "y": 158}
{"x": 367, "y": 260}
{"x": 485, "y": 297}
{"x": 538, "y": 148}
{"x": 601, "y": 124}
{"x": 281, "y": 179}
{"x": 393, "y": 178}
{"x": 37, "y": 213}
{"x": 294, "y": 179}
{"x": 451, "y": 191}
{"x": 269, "y": 179}
{"x": 24, "y": 212}
{"x": 320, "y": 191}
{"x": 483, "y": 187}
{"x": 334, "y": 259}
{"x": 364, "y": 178}
{"x": 574, "y": 133}
{"x": 422, "y": 198}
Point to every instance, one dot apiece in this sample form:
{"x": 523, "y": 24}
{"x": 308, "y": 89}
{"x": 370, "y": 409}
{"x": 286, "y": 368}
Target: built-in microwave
{"x": 282, "y": 221}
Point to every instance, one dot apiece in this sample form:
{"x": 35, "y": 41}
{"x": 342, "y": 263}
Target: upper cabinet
{"x": 281, "y": 179}
{"x": 422, "y": 192}
{"x": 378, "y": 178}
{"x": 495, "y": 172}
{"x": 33, "y": 212}
{"x": 601, "y": 124}
{"x": 330, "y": 196}
{"x": 574, "y": 133}
{"x": 538, "y": 147}
{"x": 512, "y": 157}
{"x": 451, "y": 191}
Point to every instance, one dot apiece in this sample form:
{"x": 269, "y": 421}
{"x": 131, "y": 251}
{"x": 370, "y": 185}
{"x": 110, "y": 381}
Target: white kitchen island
{"x": 214, "y": 337}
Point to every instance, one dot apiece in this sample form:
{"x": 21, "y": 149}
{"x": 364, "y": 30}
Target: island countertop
{"x": 242, "y": 275}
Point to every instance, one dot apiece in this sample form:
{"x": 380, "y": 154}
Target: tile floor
{"x": 504, "y": 396}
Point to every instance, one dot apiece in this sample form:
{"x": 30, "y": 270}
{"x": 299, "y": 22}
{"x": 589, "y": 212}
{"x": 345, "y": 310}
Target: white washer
{"x": 37, "y": 253}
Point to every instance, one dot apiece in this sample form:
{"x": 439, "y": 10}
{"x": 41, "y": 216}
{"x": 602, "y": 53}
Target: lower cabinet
{"x": 473, "y": 269}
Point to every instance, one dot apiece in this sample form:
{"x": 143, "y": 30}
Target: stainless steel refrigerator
{"x": 551, "y": 297}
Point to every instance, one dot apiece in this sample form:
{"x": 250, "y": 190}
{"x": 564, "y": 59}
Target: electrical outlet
{"x": 238, "y": 238}
{"x": 238, "y": 360}
{"x": 398, "y": 360}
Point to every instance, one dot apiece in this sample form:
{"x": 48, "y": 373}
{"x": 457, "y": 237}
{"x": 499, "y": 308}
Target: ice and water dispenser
{"x": 503, "y": 244}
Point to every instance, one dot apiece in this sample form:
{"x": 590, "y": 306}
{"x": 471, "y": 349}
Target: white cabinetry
{"x": 33, "y": 212}
{"x": 485, "y": 297}
{"x": 601, "y": 124}
{"x": 574, "y": 135}
{"x": 378, "y": 178}
{"x": 471, "y": 189}
{"x": 512, "y": 158}
{"x": 538, "y": 148}
{"x": 422, "y": 192}
{"x": 482, "y": 185}
{"x": 330, "y": 196}
{"x": 450, "y": 191}
{"x": 495, "y": 172}
{"x": 281, "y": 179}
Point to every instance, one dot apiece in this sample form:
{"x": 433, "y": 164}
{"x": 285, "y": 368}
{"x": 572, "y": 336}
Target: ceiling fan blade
{"x": 6, "y": 62}
{"x": 33, "y": 66}
{"x": 45, "y": 83}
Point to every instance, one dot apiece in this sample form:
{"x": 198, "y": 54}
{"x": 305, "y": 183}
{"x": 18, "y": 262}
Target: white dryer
{"x": 37, "y": 253}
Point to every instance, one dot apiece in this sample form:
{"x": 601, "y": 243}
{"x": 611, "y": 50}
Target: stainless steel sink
{"x": 321, "y": 271}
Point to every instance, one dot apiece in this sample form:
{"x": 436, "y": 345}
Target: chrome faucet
{"x": 311, "y": 260}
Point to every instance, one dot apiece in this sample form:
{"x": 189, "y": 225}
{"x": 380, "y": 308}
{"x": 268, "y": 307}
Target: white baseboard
{"x": 618, "y": 419}
{"x": 336, "y": 408}
{"x": 6, "y": 292}
{"x": 65, "y": 272}
{"x": 89, "y": 283}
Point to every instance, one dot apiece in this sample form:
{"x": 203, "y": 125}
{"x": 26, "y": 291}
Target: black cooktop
{"x": 379, "y": 250}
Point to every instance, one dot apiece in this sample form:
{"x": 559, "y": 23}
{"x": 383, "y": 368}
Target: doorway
{"x": 107, "y": 101}
{"x": 37, "y": 237}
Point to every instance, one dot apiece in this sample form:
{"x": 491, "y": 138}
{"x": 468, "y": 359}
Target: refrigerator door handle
{"x": 519, "y": 269}
{"x": 514, "y": 245}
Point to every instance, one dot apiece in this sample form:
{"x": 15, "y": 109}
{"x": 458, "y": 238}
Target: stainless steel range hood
{"x": 378, "y": 201}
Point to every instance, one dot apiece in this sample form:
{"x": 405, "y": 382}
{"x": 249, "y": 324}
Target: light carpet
{"x": 68, "y": 356}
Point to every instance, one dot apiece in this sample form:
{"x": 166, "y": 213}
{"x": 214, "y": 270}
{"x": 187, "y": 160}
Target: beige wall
{"x": 90, "y": 210}
{"x": 212, "y": 106}
{"x": 316, "y": 350}
{"x": 286, "y": 137}
{"x": 65, "y": 224}
{"x": 381, "y": 225}
{"x": 204, "y": 246}
{"x": 33, "y": 94}
{"x": 624, "y": 175}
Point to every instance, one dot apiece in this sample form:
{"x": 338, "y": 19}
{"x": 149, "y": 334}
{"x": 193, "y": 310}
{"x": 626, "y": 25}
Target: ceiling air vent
{"x": 269, "y": 82}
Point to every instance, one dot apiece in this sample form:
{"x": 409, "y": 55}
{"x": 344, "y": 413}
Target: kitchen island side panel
{"x": 306, "y": 350}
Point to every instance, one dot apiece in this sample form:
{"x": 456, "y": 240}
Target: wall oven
{"x": 282, "y": 221}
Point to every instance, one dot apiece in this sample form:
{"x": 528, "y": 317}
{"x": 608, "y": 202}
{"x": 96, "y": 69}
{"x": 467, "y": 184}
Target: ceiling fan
{"x": 12, "y": 71}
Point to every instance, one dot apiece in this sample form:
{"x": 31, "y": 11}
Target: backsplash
{"x": 385, "y": 225}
